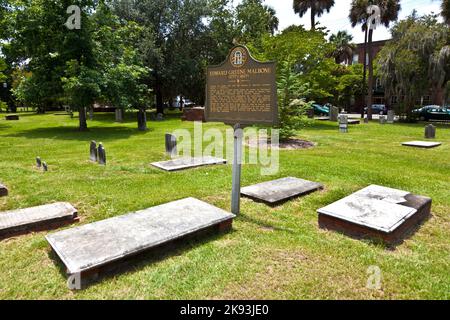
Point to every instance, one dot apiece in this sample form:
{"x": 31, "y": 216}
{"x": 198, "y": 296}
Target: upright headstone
{"x": 390, "y": 117}
{"x": 101, "y": 154}
{"x": 93, "y": 151}
{"x": 159, "y": 117}
{"x": 171, "y": 145}
{"x": 334, "y": 113}
{"x": 382, "y": 119}
{"x": 343, "y": 123}
{"x": 91, "y": 113}
{"x": 366, "y": 120}
{"x": 430, "y": 132}
{"x": 310, "y": 113}
{"x": 44, "y": 166}
{"x": 119, "y": 115}
{"x": 38, "y": 162}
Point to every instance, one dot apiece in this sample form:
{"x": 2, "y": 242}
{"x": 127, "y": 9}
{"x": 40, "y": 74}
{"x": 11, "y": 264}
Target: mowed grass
{"x": 272, "y": 253}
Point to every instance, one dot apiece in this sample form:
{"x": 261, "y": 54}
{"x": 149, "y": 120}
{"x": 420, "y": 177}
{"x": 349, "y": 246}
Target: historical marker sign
{"x": 242, "y": 90}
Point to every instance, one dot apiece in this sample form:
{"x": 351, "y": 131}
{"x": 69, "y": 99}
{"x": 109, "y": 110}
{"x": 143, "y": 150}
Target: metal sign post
{"x": 237, "y": 163}
{"x": 241, "y": 91}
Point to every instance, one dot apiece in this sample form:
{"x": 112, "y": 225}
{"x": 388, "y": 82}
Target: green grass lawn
{"x": 272, "y": 253}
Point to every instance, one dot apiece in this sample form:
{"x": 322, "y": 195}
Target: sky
{"x": 337, "y": 19}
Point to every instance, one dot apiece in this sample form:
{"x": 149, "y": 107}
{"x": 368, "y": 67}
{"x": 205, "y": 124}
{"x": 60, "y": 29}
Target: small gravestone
{"x": 390, "y": 117}
{"x": 382, "y": 120}
{"x": 12, "y": 117}
{"x": 101, "y": 154}
{"x": 44, "y": 166}
{"x": 366, "y": 120}
{"x": 89, "y": 247}
{"x": 38, "y": 162}
{"x": 334, "y": 113}
{"x": 159, "y": 117}
{"x": 93, "y": 152}
{"x": 171, "y": 145}
{"x": 422, "y": 144}
{"x": 91, "y": 113}
{"x": 343, "y": 123}
{"x": 3, "y": 191}
{"x": 119, "y": 115}
{"x": 430, "y": 132}
{"x": 277, "y": 191}
{"x": 188, "y": 163}
{"x": 21, "y": 221}
{"x": 377, "y": 213}
{"x": 310, "y": 113}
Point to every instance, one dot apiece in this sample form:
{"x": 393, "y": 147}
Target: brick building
{"x": 378, "y": 90}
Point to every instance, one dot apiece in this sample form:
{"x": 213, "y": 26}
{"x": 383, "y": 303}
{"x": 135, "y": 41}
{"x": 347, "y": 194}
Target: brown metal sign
{"x": 242, "y": 90}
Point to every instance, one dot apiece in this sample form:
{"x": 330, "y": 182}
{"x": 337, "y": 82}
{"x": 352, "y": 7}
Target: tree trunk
{"x": 313, "y": 19}
{"x": 370, "y": 85}
{"x": 159, "y": 96}
{"x": 142, "y": 120}
{"x": 82, "y": 118}
{"x": 364, "y": 74}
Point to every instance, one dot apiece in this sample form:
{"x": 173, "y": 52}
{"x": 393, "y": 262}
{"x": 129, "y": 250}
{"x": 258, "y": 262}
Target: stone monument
{"x": 430, "y": 132}
{"x": 171, "y": 145}
{"x": 101, "y": 154}
{"x": 390, "y": 117}
{"x": 343, "y": 123}
{"x": 93, "y": 152}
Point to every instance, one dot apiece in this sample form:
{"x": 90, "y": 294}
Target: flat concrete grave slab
{"x": 87, "y": 248}
{"x": 3, "y": 191}
{"x": 188, "y": 163}
{"x": 422, "y": 144}
{"x": 46, "y": 217}
{"x": 354, "y": 121}
{"x": 376, "y": 212}
{"x": 273, "y": 192}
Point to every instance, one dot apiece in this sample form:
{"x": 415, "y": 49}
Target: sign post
{"x": 241, "y": 91}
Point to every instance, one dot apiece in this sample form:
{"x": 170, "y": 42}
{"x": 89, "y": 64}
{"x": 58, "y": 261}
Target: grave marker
{"x": 188, "y": 163}
{"x": 273, "y": 192}
{"x": 44, "y": 166}
{"x": 383, "y": 120}
{"x": 46, "y": 217}
{"x": 430, "y": 132}
{"x": 171, "y": 145}
{"x": 101, "y": 154}
{"x": 390, "y": 116}
{"x": 38, "y": 162}
{"x": 93, "y": 151}
{"x": 3, "y": 190}
{"x": 343, "y": 123}
{"x": 105, "y": 242}
{"x": 334, "y": 113}
{"x": 422, "y": 144}
{"x": 376, "y": 212}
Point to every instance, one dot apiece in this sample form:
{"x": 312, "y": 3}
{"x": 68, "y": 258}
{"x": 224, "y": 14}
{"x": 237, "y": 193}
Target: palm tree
{"x": 317, "y": 7}
{"x": 359, "y": 15}
{"x": 446, "y": 10}
{"x": 344, "y": 48}
{"x": 272, "y": 19}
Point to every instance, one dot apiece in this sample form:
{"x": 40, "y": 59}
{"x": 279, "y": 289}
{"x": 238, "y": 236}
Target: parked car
{"x": 187, "y": 103}
{"x": 432, "y": 112}
{"x": 321, "y": 110}
{"x": 377, "y": 109}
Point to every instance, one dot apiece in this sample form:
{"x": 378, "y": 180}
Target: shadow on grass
{"x": 139, "y": 261}
{"x": 72, "y": 133}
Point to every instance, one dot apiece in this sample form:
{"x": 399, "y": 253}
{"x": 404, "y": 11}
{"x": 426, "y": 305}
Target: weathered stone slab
{"x": 98, "y": 244}
{"x": 12, "y": 117}
{"x": 430, "y": 132}
{"x": 3, "y": 191}
{"x": 391, "y": 117}
{"x": 354, "y": 121}
{"x": 188, "y": 163}
{"x": 276, "y": 191}
{"x": 422, "y": 144}
{"x": 376, "y": 212}
{"x": 39, "y": 218}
